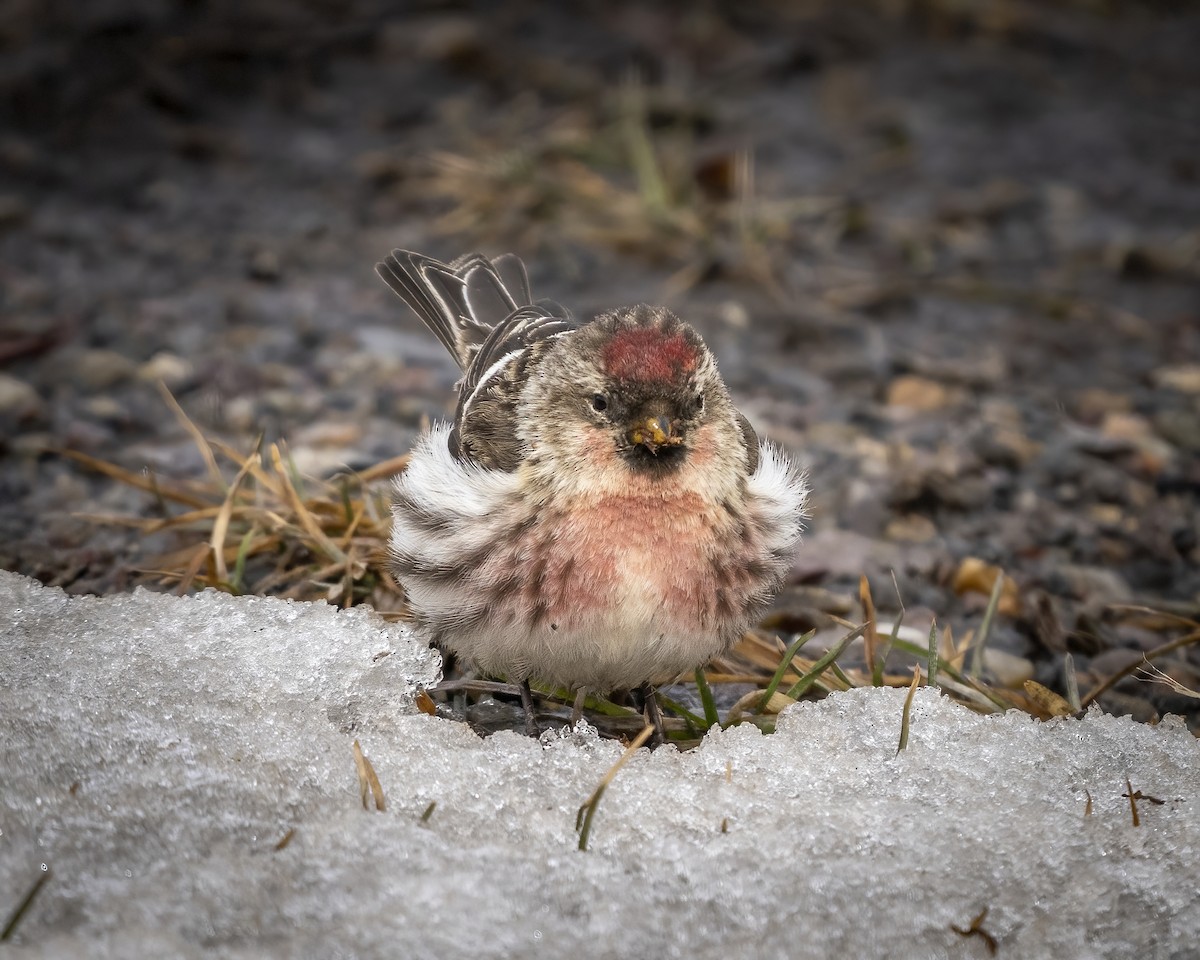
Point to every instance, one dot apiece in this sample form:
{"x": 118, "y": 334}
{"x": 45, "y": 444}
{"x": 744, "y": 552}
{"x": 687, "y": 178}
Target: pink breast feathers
{"x": 649, "y": 356}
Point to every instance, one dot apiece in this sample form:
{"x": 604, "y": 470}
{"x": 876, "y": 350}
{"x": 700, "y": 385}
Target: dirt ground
{"x": 948, "y": 253}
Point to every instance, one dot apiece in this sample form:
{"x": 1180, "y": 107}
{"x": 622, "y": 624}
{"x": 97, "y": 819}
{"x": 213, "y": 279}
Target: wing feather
{"x": 483, "y": 312}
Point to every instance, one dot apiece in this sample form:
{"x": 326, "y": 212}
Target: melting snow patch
{"x": 184, "y": 770}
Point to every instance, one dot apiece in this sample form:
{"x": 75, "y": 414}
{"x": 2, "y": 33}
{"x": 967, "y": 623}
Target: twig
{"x": 1176, "y": 644}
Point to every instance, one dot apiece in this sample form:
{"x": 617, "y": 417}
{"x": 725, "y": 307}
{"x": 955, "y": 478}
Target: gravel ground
{"x": 949, "y": 254}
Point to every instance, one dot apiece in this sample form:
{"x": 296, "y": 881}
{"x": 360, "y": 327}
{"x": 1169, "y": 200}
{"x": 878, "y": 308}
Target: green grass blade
{"x": 237, "y": 583}
{"x": 933, "y": 660}
{"x": 882, "y": 655}
{"x": 1072, "y": 682}
{"x": 798, "y": 689}
{"x": 706, "y": 698}
{"x": 680, "y": 710}
{"x": 986, "y": 626}
{"x": 784, "y": 663}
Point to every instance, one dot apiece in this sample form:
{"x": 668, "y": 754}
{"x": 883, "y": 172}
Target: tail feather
{"x": 459, "y": 302}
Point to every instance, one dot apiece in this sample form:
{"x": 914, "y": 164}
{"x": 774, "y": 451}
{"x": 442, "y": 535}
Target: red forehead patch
{"x": 649, "y": 355}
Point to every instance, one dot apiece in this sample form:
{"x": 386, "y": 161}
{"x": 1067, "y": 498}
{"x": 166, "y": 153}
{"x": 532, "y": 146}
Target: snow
{"x": 154, "y": 751}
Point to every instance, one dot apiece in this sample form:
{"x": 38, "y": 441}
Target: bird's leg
{"x": 577, "y": 710}
{"x": 531, "y": 725}
{"x": 652, "y": 713}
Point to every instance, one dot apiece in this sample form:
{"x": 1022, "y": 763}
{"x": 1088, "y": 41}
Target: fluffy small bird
{"x": 599, "y": 515}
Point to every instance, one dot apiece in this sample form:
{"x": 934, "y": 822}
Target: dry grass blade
{"x": 148, "y": 483}
{"x": 197, "y": 434}
{"x": 1156, "y": 614}
{"x": 221, "y": 522}
{"x": 583, "y": 819}
{"x": 388, "y": 468}
{"x": 751, "y": 704}
{"x": 199, "y": 555}
{"x": 871, "y": 636}
{"x": 1047, "y": 700}
{"x": 906, "y": 713}
{"x": 1179, "y": 642}
{"x": 26, "y": 902}
{"x": 976, "y": 930}
{"x": 369, "y": 786}
{"x": 307, "y": 521}
{"x": 881, "y": 655}
{"x": 1133, "y": 799}
{"x": 1148, "y": 671}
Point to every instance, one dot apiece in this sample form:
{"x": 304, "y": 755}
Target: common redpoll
{"x": 599, "y": 515}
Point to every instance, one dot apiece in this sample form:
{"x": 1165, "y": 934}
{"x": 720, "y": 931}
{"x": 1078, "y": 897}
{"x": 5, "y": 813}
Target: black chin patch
{"x": 664, "y": 460}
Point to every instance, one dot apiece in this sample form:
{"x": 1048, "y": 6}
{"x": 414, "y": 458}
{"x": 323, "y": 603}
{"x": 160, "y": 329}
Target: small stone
{"x": 170, "y": 368}
{"x": 17, "y": 398}
{"x": 1008, "y": 669}
{"x": 1137, "y": 431}
{"x": 1107, "y": 515}
{"x": 1181, "y": 428}
{"x": 381, "y": 168}
{"x": 911, "y": 528}
{"x": 917, "y": 393}
{"x": 99, "y": 369}
{"x": 977, "y": 576}
{"x": 1004, "y": 447}
{"x": 1185, "y": 378}
{"x": 1086, "y": 582}
{"x": 104, "y": 408}
{"x": 1125, "y": 426}
{"x": 324, "y": 461}
{"x": 329, "y": 435}
{"x": 1092, "y": 404}
{"x": 14, "y": 210}
{"x": 1105, "y": 664}
{"x": 264, "y": 265}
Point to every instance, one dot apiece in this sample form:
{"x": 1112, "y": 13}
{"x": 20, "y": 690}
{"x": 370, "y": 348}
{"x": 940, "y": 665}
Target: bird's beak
{"x": 654, "y": 433}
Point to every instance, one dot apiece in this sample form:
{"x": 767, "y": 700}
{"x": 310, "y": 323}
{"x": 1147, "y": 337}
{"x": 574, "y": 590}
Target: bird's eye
{"x": 699, "y": 402}
{"x": 599, "y": 403}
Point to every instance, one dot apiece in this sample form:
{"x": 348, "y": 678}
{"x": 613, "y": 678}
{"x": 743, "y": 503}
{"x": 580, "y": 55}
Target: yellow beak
{"x": 655, "y": 432}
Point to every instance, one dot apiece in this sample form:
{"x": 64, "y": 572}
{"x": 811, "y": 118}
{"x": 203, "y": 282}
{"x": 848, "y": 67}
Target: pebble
{"x": 1184, "y": 378}
{"x": 1180, "y": 428}
{"x": 104, "y": 408}
{"x": 14, "y": 210}
{"x": 18, "y": 399}
{"x": 171, "y": 369}
{"x": 264, "y": 264}
{"x": 917, "y": 393}
{"x": 1086, "y": 582}
{"x": 1138, "y": 431}
{"x": 1009, "y": 670}
{"x": 329, "y": 435}
{"x": 911, "y": 528}
{"x": 976, "y": 576}
{"x": 1091, "y": 405}
{"x": 99, "y": 369}
{"x": 1105, "y": 664}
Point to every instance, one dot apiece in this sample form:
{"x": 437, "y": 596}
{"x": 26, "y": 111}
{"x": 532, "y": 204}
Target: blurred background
{"x": 947, "y": 251}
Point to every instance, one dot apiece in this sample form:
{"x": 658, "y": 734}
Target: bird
{"x": 598, "y": 515}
